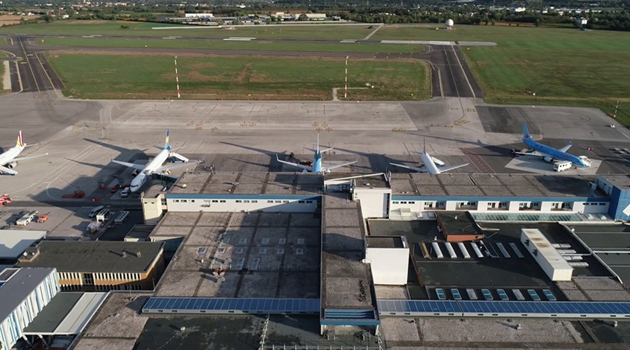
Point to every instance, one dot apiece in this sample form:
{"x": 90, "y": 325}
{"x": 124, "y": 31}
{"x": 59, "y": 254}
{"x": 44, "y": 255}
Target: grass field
{"x": 340, "y": 31}
{"x": 562, "y": 66}
{"x": 233, "y": 45}
{"x": 237, "y": 77}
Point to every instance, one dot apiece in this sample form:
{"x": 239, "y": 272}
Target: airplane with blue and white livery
{"x": 550, "y": 154}
{"x": 316, "y": 165}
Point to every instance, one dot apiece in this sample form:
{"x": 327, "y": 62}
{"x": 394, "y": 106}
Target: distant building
{"x": 581, "y": 21}
{"x": 99, "y": 265}
{"x": 316, "y": 16}
{"x": 23, "y": 294}
{"x": 518, "y": 9}
{"x": 198, "y": 15}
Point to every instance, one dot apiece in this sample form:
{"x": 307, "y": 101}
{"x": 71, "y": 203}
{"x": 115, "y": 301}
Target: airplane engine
{"x": 548, "y": 159}
{"x": 12, "y": 165}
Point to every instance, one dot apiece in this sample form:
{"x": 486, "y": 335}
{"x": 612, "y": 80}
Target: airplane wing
{"x": 443, "y": 170}
{"x": 179, "y": 156}
{"x": 166, "y": 175}
{"x": 129, "y": 165}
{"x": 420, "y": 170}
{"x": 301, "y": 166}
{"x": 339, "y": 165}
{"x": 174, "y": 166}
{"x": 566, "y": 148}
{"x": 29, "y": 157}
{"x": 5, "y": 170}
{"x": 437, "y": 162}
{"x": 528, "y": 153}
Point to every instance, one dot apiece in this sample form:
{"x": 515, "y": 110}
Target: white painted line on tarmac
{"x": 463, "y": 71}
{"x": 58, "y": 168}
{"x": 239, "y": 39}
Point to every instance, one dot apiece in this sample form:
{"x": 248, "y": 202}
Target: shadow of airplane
{"x": 259, "y": 150}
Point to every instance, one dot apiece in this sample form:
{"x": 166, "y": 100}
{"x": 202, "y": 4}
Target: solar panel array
{"x": 467, "y": 307}
{"x": 231, "y": 305}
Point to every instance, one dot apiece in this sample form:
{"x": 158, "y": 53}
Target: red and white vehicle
{"x": 5, "y": 199}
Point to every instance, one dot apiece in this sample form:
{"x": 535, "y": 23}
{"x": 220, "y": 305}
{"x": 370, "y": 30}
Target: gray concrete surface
{"x": 82, "y": 136}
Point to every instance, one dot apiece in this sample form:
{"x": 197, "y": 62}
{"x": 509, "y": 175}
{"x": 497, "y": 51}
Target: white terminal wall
{"x": 390, "y": 266}
{"x": 374, "y": 201}
{"x": 196, "y": 203}
{"x": 547, "y": 256}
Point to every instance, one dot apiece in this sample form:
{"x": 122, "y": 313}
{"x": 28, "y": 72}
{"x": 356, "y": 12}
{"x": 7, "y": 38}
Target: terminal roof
{"x": 491, "y": 185}
{"x": 248, "y": 183}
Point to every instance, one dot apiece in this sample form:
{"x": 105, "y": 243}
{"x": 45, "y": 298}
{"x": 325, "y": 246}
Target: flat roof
{"x": 235, "y": 183}
{"x": 66, "y": 314}
{"x": 611, "y": 243}
{"x": 140, "y": 232}
{"x": 491, "y": 185}
{"x": 621, "y": 181}
{"x": 346, "y": 280}
{"x": 19, "y": 286}
{"x": 384, "y": 242}
{"x": 279, "y": 251}
{"x": 94, "y": 256}
{"x": 458, "y": 223}
{"x": 487, "y": 272}
{"x": 376, "y": 180}
{"x": 13, "y": 242}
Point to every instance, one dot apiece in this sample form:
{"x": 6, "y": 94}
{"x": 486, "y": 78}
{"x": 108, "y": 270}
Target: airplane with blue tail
{"x": 316, "y": 165}
{"x": 550, "y": 154}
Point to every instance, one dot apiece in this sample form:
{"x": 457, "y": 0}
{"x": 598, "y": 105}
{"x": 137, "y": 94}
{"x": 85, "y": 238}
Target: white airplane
{"x": 10, "y": 159}
{"x": 429, "y": 164}
{"x": 316, "y": 165}
{"x": 155, "y": 165}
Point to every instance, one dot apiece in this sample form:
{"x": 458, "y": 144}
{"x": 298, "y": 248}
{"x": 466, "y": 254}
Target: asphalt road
{"x": 451, "y": 77}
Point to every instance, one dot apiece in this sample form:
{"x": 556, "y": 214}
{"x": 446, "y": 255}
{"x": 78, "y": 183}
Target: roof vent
{"x": 124, "y": 254}
{"x": 138, "y": 254}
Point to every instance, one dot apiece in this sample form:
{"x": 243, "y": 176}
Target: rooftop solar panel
{"x": 504, "y": 307}
{"x": 249, "y": 305}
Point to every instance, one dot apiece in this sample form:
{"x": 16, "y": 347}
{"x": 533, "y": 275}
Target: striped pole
{"x": 345, "y": 92}
{"x": 177, "y": 79}
{"x": 616, "y": 109}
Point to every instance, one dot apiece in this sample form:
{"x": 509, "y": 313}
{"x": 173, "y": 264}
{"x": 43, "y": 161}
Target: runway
{"x": 450, "y": 76}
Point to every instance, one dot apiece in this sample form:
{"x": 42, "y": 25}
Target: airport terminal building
{"x": 402, "y": 195}
{"x": 344, "y": 235}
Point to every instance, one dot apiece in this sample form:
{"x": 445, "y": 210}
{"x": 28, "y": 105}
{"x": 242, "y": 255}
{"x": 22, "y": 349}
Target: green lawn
{"x": 237, "y": 77}
{"x": 232, "y": 45}
{"x": 563, "y": 66}
{"x": 340, "y": 31}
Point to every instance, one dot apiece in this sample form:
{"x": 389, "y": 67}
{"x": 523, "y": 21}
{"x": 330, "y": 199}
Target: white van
{"x": 94, "y": 211}
{"x": 562, "y": 166}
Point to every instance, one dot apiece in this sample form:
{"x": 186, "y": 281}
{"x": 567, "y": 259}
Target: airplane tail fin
{"x": 526, "y": 134}
{"x": 20, "y": 140}
{"x": 166, "y": 143}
